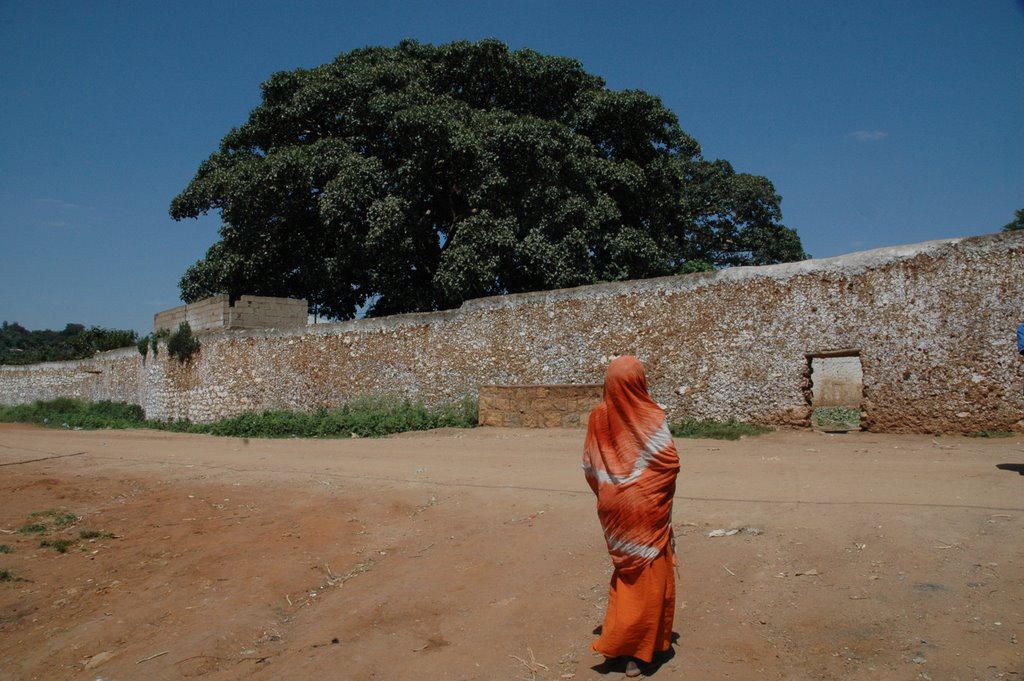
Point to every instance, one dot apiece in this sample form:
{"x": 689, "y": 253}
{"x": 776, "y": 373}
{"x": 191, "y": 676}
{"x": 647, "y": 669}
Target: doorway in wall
{"x": 836, "y": 389}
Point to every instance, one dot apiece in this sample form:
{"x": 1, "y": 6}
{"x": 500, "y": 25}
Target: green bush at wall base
{"x": 69, "y": 413}
{"x": 992, "y": 433}
{"x": 715, "y": 430}
{"x": 363, "y": 417}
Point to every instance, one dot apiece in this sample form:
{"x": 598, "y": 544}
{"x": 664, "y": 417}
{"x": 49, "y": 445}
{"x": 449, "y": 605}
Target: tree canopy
{"x": 1018, "y": 222}
{"x": 415, "y": 177}
{"x": 18, "y": 345}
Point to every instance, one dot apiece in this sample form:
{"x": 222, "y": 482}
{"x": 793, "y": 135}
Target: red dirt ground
{"x": 473, "y": 555}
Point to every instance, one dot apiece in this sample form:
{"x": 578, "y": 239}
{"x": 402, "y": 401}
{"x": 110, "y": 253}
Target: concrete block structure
{"x": 248, "y": 312}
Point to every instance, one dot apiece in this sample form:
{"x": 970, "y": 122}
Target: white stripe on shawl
{"x": 630, "y": 549}
{"x": 661, "y": 439}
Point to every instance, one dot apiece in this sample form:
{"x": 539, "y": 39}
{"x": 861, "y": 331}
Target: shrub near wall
{"x": 931, "y": 323}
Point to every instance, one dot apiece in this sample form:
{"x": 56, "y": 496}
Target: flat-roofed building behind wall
{"x": 248, "y": 312}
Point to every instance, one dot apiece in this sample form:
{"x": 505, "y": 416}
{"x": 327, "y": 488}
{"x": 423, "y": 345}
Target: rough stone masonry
{"x": 931, "y": 324}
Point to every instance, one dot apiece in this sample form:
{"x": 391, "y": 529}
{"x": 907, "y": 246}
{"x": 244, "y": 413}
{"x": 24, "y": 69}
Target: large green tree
{"x": 412, "y": 178}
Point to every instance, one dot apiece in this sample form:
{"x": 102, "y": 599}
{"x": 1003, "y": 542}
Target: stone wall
{"x": 248, "y": 312}
{"x": 933, "y": 325}
{"x": 113, "y": 375}
{"x": 538, "y": 406}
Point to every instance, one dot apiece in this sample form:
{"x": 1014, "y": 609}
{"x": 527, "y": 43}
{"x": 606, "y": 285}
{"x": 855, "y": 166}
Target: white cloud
{"x": 56, "y": 213}
{"x": 868, "y": 135}
{"x": 59, "y": 203}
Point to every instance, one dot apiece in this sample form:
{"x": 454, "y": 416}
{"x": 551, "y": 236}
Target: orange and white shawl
{"x": 630, "y": 462}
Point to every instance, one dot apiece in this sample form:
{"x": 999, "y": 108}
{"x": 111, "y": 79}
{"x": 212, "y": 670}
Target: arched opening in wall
{"x": 836, "y": 390}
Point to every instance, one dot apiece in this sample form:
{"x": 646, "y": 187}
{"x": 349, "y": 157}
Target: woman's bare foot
{"x": 632, "y": 669}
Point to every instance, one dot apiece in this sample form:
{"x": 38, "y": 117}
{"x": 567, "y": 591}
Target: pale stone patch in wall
{"x": 837, "y": 381}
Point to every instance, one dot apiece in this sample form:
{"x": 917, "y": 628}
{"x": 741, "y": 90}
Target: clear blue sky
{"x": 880, "y": 123}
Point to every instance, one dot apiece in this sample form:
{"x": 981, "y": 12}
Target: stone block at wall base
{"x": 538, "y": 406}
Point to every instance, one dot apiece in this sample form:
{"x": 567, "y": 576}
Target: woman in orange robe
{"x": 630, "y": 462}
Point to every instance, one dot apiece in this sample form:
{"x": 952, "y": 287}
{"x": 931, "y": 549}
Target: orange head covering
{"x": 630, "y": 462}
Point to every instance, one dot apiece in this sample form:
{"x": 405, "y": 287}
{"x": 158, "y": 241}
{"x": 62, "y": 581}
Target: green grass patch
{"x": 839, "y": 418}
{"x": 362, "y": 417}
{"x": 6, "y": 548}
{"x": 8, "y": 576}
{"x": 993, "y": 433}
{"x": 60, "y": 517}
{"x": 59, "y": 545}
{"x": 94, "y": 534}
{"x": 716, "y": 430}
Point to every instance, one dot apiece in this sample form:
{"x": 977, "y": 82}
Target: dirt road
{"x": 477, "y": 555}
